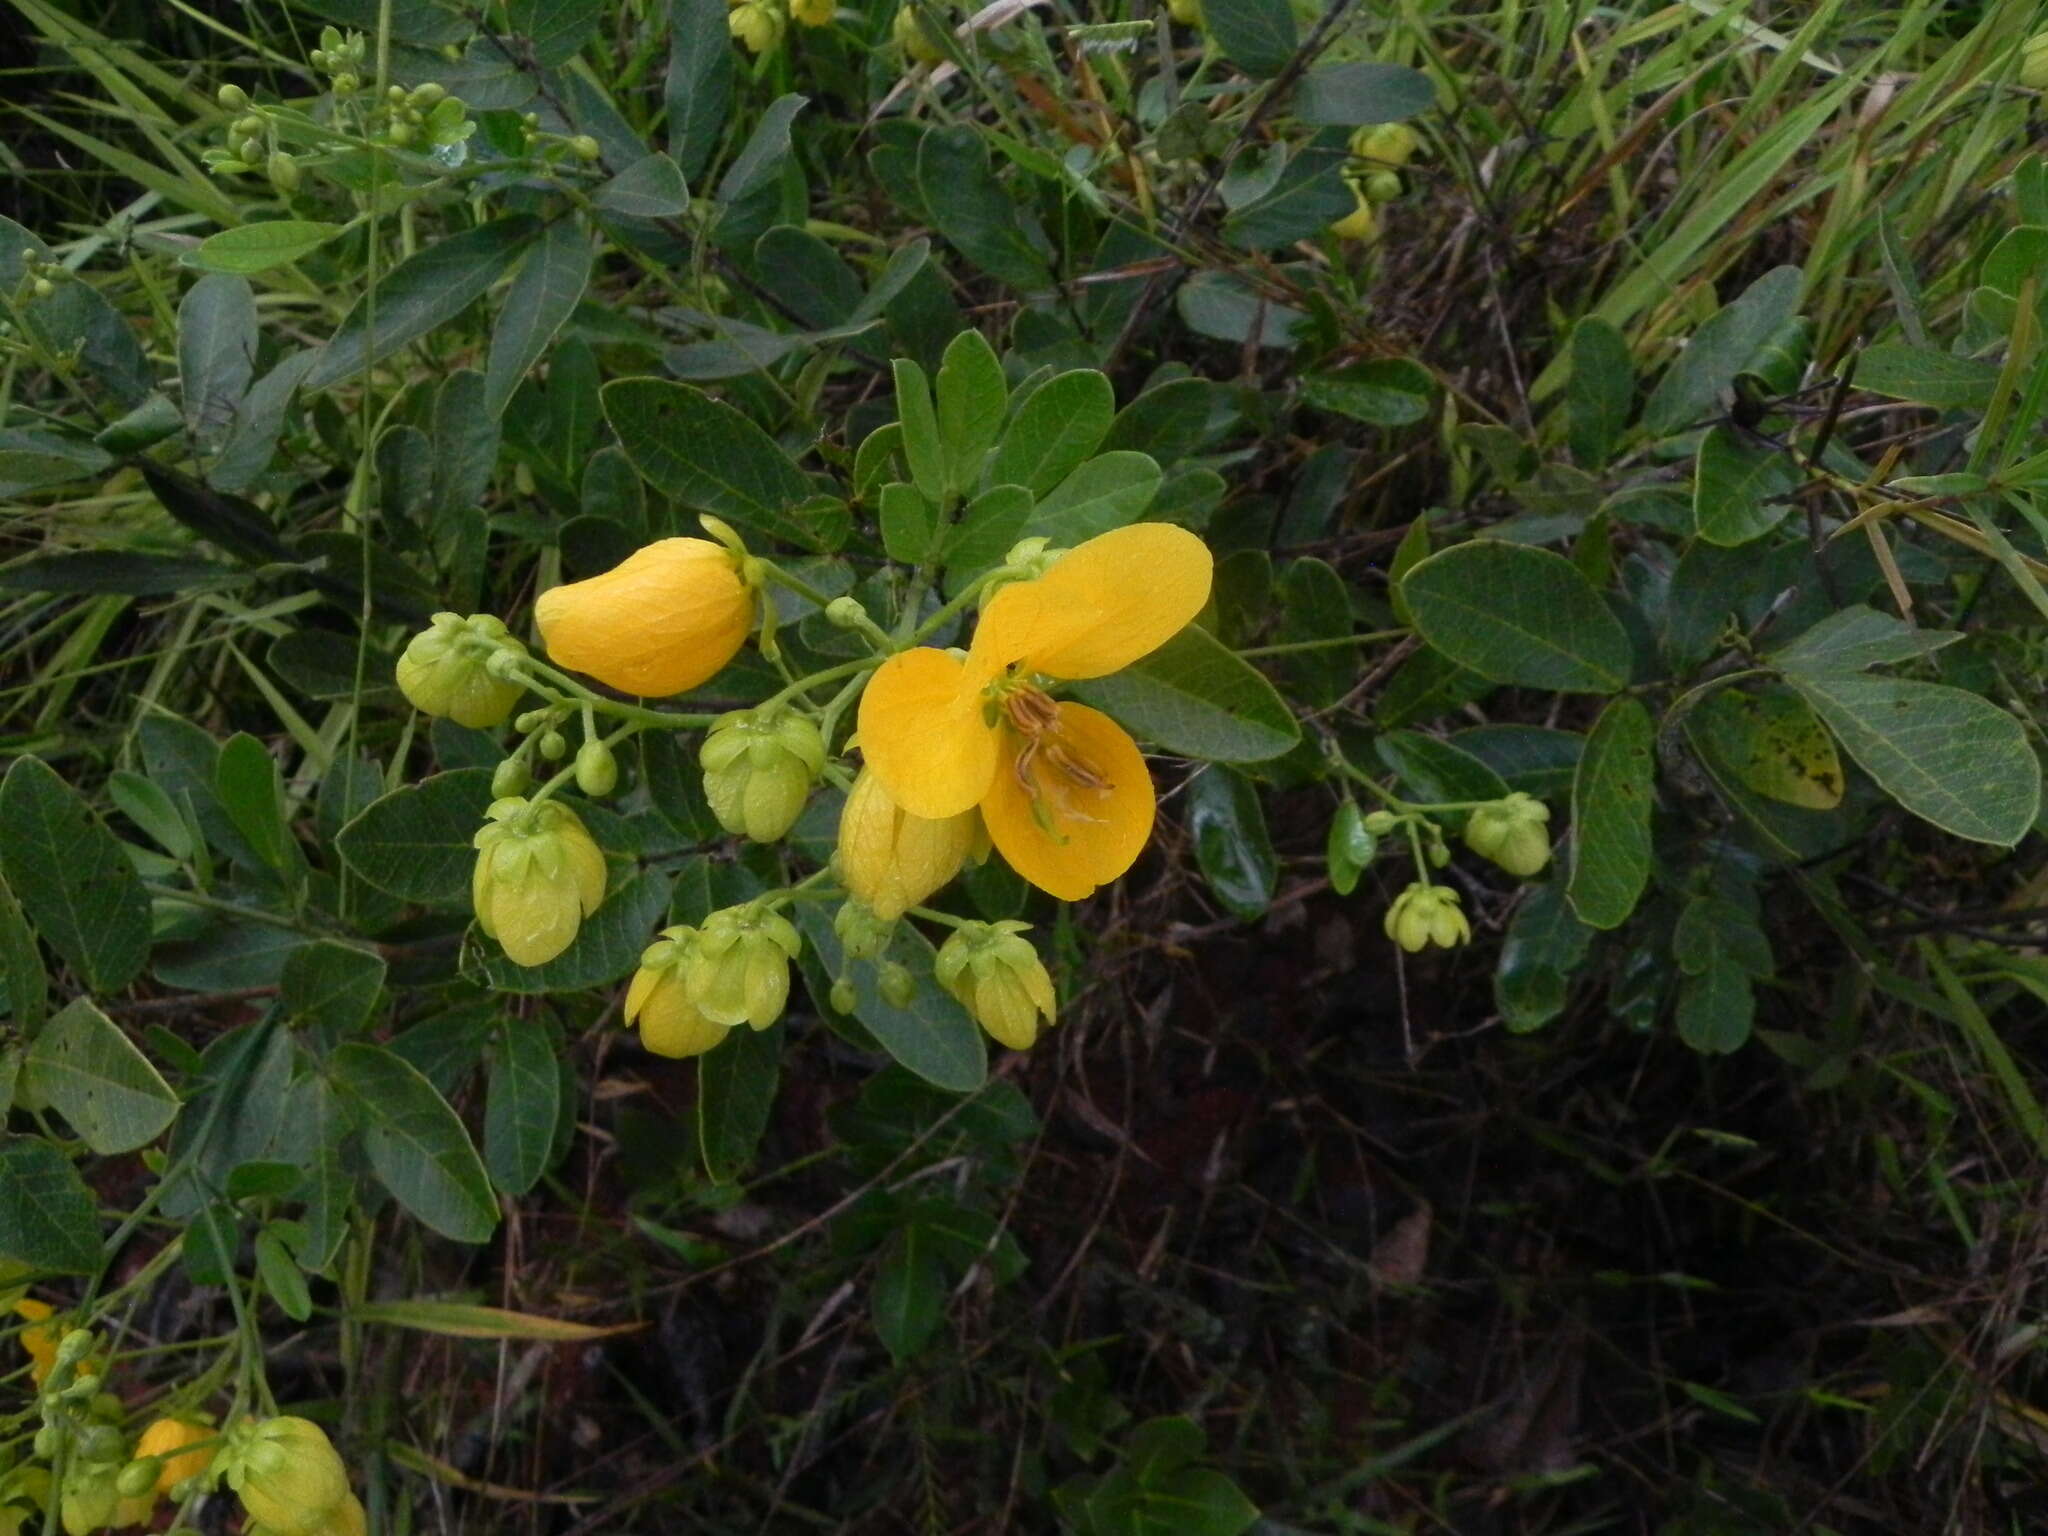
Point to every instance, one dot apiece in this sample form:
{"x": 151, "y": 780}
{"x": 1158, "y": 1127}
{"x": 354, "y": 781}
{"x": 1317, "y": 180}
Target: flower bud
{"x": 138, "y": 1477}
{"x": 1361, "y": 223}
{"x": 813, "y": 13}
{"x": 892, "y": 860}
{"x": 1385, "y": 144}
{"x": 100, "y": 1444}
{"x": 909, "y": 34}
{"x": 287, "y": 1475}
{"x": 862, "y": 935}
{"x": 429, "y": 94}
{"x": 1514, "y": 833}
{"x": 843, "y": 998}
{"x": 585, "y": 148}
{"x": 400, "y": 134}
{"x": 445, "y": 670}
{"x": 252, "y": 152}
{"x": 759, "y": 766}
{"x": 284, "y": 173}
{"x": 88, "y": 1500}
{"x": 1381, "y": 186}
{"x": 346, "y": 84}
{"x": 511, "y": 777}
{"x": 232, "y": 98}
{"x": 1423, "y": 915}
{"x": 737, "y": 970}
{"x": 42, "y": 287}
{"x": 597, "y": 771}
{"x": 538, "y": 875}
{"x": 995, "y": 974}
{"x": 667, "y": 618}
{"x": 552, "y": 745}
{"x": 165, "y": 1442}
{"x": 897, "y": 986}
{"x": 758, "y": 25}
{"x": 659, "y": 1001}
{"x": 846, "y": 613}
{"x": 1187, "y": 12}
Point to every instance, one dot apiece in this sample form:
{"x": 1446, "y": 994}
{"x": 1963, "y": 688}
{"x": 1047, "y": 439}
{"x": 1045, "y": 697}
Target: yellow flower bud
{"x": 813, "y": 13}
{"x": 1361, "y": 223}
{"x": 538, "y": 875}
{"x": 446, "y": 670}
{"x": 1423, "y": 915}
{"x": 664, "y": 620}
{"x": 1385, "y": 144}
{"x": 1513, "y": 833}
{"x": 287, "y": 1475}
{"x": 659, "y": 1002}
{"x": 759, "y": 766}
{"x": 909, "y": 35}
{"x": 1381, "y": 187}
{"x": 737, "y": 968}
{"x": 892, "y": 860}
{"x": 758, "y": 25}
{"x": 166, "y": 1440}
{"x": 996, "y": 975}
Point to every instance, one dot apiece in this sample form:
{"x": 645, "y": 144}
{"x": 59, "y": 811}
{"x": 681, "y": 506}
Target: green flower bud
{"x": 585, "y": 148}
{"x": 394, "y": 94}
{"x": 284, "y": 173}
{"x": 138, "y": 1477}
{"x": 287, "y": 1475}
{"x": 1380, "y": 823}
{"x": 429, "y": 94}
{"x": 537, "y": 876}
{"x": 330, "y": 39}
{"x": 232, "y": 98}
{"x": 346, "y": 85}
{"x": 737, "y": 971}
{"x": 842, "y": 996}
{"x": 1187, "y": 12}
{"x": 101, "y": 1444}
{"x": 1514, "y": 833}
{"x": 401, "y": 134}
{"x": 552, "y": 745}
{"x": 597, "y": 771}
{"x": 444, "y": 670}
{"x": 759, "y": 766}
{"x": 1423, "y": 915}
{"x": 252, "y": 152}
{"x": 532, "y": 720}
{"x": 1385, "y": 144}
{"x": 247, "y": 127}
{"x": 862, "y": 935}
{"x": 658, "y": 1000}
{"x": 846, "y": 613}
{"x": 48, "y": 1442}
{"x": 909, "y": 34}
{"x": 42, "y": 287}
{"x": 897, "y": 986}
{"x": 759, "y": 26}
{"x": 74, "y": 1346}
{"x": 511, "y": 777}
{"x": 1381, "y": 186}
{"x": 995, "y": 974}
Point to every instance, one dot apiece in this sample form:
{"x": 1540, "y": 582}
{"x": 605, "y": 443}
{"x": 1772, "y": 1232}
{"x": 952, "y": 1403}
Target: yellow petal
{"x": 1107, "y": 602}
{"x": 665, "y": 619}
{"x": 670, "y": 1024}
{"x": 922, "y": 733}
{"x": 534, "y": 920}
{"x": 891, "y": 860}
{"x": 1063, "y": 834}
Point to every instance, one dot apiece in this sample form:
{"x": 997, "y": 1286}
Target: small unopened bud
{"x": 401, "y": 134}
{"x": 757, "y": 25}
{"x": 232, "y": 98}
{"x": 897, "y": 986}
{"x": 427, "y": 95}
{"x": 1381, "y": 186}
{"x": 1514, "y": 833}
{"x": 284, "y": 173}
{"x": 846, "y": 613}
{"x": 597, "y": 771}
{"x": 585, "y": 148}
{"x": 552, "y": 745}
{"x": 346, "y": 84}
{"x": 842, "y": 996}
{"x": 452, "y": 669}
{"x": 738, "y": 969}
{"x": 862, "y": 935}
{"x": 138, "y": 1477}
{"x": 42, "y": 287}
{"x": 1380, "y": 823}
{"x": 511, "y": 777}
{"x": 537, "y": 876}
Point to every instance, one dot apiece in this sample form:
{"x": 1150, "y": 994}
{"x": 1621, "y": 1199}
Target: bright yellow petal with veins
{"x": 667, "y": 618}
{"x": 1107, "y": 602}
{"x": 922, "y": 733}
{"x": 1069, "y": 833}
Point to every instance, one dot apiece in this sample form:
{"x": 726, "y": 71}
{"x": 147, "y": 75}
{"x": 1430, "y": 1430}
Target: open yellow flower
{"x": 1062, "y": 788}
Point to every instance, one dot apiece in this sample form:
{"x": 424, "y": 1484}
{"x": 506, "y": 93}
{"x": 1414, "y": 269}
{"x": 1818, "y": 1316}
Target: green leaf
{"x": 92, "y": 1074}
{"x": 1856, "y": 637}
{"x": 549, "y": 286}
{"x": 71, "y": 877}
{"x": 1306, "y": 198}
{"x": 281, "y": 1275}
{"x": 21, "y": 963}
{"x": 1535, "y": 759}
{"x": 1715, "y": 1009}
{"x": 606, "y": 947}
{"x": 1384, "y": 392}
{"x": 972, "y": 399}
{"x": 1901, "y": 371}
{"x": 1947, "y": 756}
{"x": 1108, "y": 491}
{"x": 1435, "y": 771}
{"x": 1168, "y": 421}
{"x": 988, "y": 527}
{"x": 416, "y": 1143}
{"x": 421, "y": 293}
{"x": 908, "y": 523}
{"x": 1545, "y": 943}
{"x": 923, "y": 449}
{"x": 252, "y": 440}
{"x": 736, "y": 1084}
{"x": 1354, "y": 95}
{"x": 968, "y": 205}
{"x": 698, "y": 89}
{"x": 908, "y": 1301}
{"x": 252, "y": 248}
{"x": 1729, "y": 343}
{"x": 1602, "y": 391}
{"x": 1611, "y": 803}
{"x": 1258, "y": 36}
{"x": 415, "y": 842}
{"x": 1315, "y": 606}
{"x": 1232, "y": 848}
{"x": 127, "y": 572}
{"x": 1775, "y": 745}
{"x": 1196, "y": 698}
{"x": 761, "y": 160}
{"x": 933, "y": 1037}
{"x": 246, "y": 780}
{"x": 523, "y": 1100}
{"x": 1057, "y": 427}
{"x": 652, "y": 187}
{"x": 819, "y": 288}
{"x": 216, "y": 353}
{"x": 47, "y": 1217}
{"x": 1349, "y": 848}
{"x": 332, "y": 986}
{"x": 1516, "y": 614}
{"x": 1741, "y": 487}
{"x": 706, "y": 455}
{"x": 554, "y": 29}
{"x": 1222, "y": 306}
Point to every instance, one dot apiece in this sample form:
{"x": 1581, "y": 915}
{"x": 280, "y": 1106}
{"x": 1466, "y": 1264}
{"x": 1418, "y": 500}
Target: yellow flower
{"x": 757, "y": 25}
{"x": 1062, "y": 788}
{"x": 1361, "y": 223}
{"x": 537, "y": 876}
{"x": 659, "y": 1002}
{"x": 167, "y": 1438}
{"x": 40, "y": 1337}
{"x": 892, "y": 860}
{"x": 662, "y": 621}
{"x": 813, "y": 13}
{"x": 288, "y": 1477}
{"x": 1514, "y": 833}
